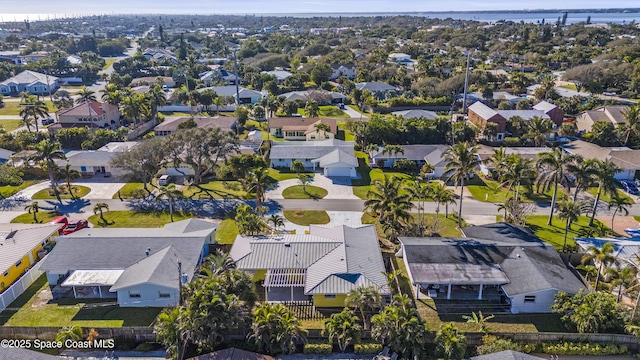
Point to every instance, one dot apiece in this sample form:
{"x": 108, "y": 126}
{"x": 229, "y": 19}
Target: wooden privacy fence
{"x": 138, "y": 334}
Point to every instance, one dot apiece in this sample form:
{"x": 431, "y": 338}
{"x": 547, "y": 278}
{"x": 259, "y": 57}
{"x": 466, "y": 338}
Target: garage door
{"x": 337, "y": 171}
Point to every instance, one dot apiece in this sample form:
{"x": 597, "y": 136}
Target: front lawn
{"x": 279, "y": 175}
{"x": 43, "y": 216}
{"x": 35, "y": 308}
{"x": 132, "y": 190}
{"x": 10, "y": 190}
{"x": 491, "y": 191}
{"x": 227, "y": 232}
{"x": 307, "y": 217}
{"x": 215, "y": 189}
{"x": 137, "y": 219}
{"x": 78, "y": 192}
{"x": 13, "y": 108}
{"x": 327, "y": 111}
{"x": 606, "y": 197}
{"x": 10, "y": 125}
{"x": 108, "y": 62}
{"x": 310, "y": 192}
{"x": 368, "y": 176}
{"x": 554, "y": 234}
{"x": 447, "y": 227}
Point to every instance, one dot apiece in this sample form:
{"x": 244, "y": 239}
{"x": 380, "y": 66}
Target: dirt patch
{"x": 621, "y": 223}
{"x": 42, "y": 299}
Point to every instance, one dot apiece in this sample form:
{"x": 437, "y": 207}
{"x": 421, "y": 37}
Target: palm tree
{"x": 583, "y": 172}
{"x": 393, "y": 207}
{"x": 248, "y": 221}
{"x": 393, "y": 150}
{"x": 47, "y": 151}
{"x": 33, "y": 208}
{"x": 275, "y": 329}
{"x": 499, "y": 161}
{"x": 73, "y": 333}
{"x": 441, "y": 196}
{"x": 624, "y": 278}
{"x": 554, "y": 165}
{"x": 343, "y": 327}
{"x": 479, "y": 319}
{"x": 32, "y": 109}
{"x": 99, "y": 208}
{"x": 603, "y": 257}
{"x": 304, "y": 181}
{"x": 277, "y": 221}
{"x": 217, "y": 263}
{"x": 517, "y": 170}
{"x": 157, "y": 98}
{"x": 538, "y": 129}
{"x": 320, "y": 126}
{"x": 462, "y": 159}
{"x": 172, "y": 194}
{"x": 420, "y": 191}
{"x": 257, "y": 182}
{"x": 603, "y": 174}
{"x": 632, "y": 117}
{"x": 297, "y": 166}
{"x": 569, "y": 211}
{"x": 312, "y": 109}
{"x": 365, "y": 299}
{"x": 85, "y": 95}
{"x": 69, "y": 174}
{"x": 135, "y": 107}
{"x": 451, "y": 342}
{"x": 620, "y": 204}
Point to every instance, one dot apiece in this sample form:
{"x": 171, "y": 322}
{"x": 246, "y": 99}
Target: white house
{"x": 347, "y": 70}
{"x": 334, "y": 157}
{"x": 97, "y": 162}
{"x": 626, "y": 159}
{"x": 139, "y": 267}
{"x": 499, "y": 263}
{"x": 30, "y": 81}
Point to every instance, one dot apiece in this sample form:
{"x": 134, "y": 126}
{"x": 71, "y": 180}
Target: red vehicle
{"x": 74, "y": 226}
{"x": 60, "y": 220}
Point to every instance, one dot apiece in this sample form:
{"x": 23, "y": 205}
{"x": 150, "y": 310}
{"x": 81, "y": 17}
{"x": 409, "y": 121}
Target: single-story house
{"x": 421, "y": 154}
{"x": 506, "y": 355}
{"x": 30, "y": 81}
{"x": 323, "y": 266}
{"x": 566, "y": 93}
{"x": 22, "y": 246}
{"x": 379, "y": 90}
{"x": 502, "y": 263}
{"x": 485, "y": 153}
{"x": 156, "y": 54}
{"x": 299, "y": 128}
{"x": 5, "y": 155}
{"x": 322, "y": 97}
{"x": 97, "y": 162}
{"x": 280, "y": 75}
{"x": 416, "y": 113}
{"x": 626, "y": 159}
{"x": 335, "y": 157}
{"x": 218, "y": 75}
{"x": 152, "y": 80}
{"x": 87, "y": 114}
{"x": 246, "y": 96}
{"x": 232, "y": 354}
{"x": 169, "y": 127}
{"x": 479, "y": 114}
{"x": 399, "y": 57}
{"x": 346, "y": 70}
{"x": 613, "y": 114}
{"x": 139, "y": 267}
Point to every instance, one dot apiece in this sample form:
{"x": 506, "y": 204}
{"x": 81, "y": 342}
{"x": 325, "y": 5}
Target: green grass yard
{"x": 279, "y": 175}
{"x": 367, "y": 176}
{"x": 9, "y": 190}
{"x": 311, "y": 192}
{"x": 227, "y": 232}
{"x": 108, "y": 62}
{"x": 13, "y": 108}
{"x": 327, "y": 111}
{"x": 34, "y": 308}
{"x": 10, "y": 125}
{"x": 606, "y": 197}
{"x": 43, "y": 216}
{"x": 47, "y": 194}
{"x": 554, "y": 234}
{"x": 132, "y": 190}
{"x": 215, "y": 189}
{"x": 137, "y": 219}
{"x": 307, "y": 217}
{"x": 490, "y": 191}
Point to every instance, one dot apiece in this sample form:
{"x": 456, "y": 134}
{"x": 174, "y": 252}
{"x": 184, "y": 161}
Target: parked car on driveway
{"x": 74, "y": 226}
{"x": 629, "y": 187}
{"x": 60, "y": 220}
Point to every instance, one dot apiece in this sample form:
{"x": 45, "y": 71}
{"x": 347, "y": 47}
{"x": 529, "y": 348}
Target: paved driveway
{"x": 339, "y": 188}
{"x": 101, "y": 187}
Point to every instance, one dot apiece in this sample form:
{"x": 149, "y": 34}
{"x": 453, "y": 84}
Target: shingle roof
{"x": 17, "y": 240}
{"x": 307, "y": 150}
{"x": 337, "y": 157}
{"x": 622, "y": 156}
{"x": 374, "y": 86}
{"x": 5, "y": 154}
{"x": 417, "y": 113}
{"x": 232, "y": 354}
{"x": 429, "y": 153}
{"x": 29, "y": 77}
{"x": 506, "y": 355}
{"x": 485, "y": 152}
{"x": 279, "y": 74}
{"x": 230, "y": 91}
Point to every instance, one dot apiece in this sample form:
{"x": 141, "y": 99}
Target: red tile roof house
{"x": 480, "y": 114}
{"x": 89, "y": 114}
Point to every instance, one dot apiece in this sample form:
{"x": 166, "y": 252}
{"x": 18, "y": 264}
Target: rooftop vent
{"x": 287, "y": 244}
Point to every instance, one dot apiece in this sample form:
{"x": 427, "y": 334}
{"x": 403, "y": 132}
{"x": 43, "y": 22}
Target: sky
{"x": 75, "y": 7}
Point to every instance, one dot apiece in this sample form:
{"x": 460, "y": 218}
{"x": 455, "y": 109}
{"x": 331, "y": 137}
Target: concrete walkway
{"x": 353, "y": 114}
{"x": 336, "y": 188}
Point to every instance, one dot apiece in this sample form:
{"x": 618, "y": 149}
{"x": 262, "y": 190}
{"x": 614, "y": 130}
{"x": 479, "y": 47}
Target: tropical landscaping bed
{"x": 76, "y": 192}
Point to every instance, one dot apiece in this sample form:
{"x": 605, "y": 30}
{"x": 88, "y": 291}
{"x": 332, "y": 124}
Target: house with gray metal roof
{"x": 322, "y": 266}
{"x": 416, "y": 114}
{"x": 501, "y": 263}
{"x": 335, "y": 158}
{"x": 421, "y": 154}
{"x": 378, "y": 89}
{"x": 31, "y": 82}
{"x": 139, "y": 267}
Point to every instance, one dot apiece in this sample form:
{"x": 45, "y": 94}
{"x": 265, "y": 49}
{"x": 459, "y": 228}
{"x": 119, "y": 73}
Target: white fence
{"x": 15, "y": 290}
{"x": 140, "y": 130}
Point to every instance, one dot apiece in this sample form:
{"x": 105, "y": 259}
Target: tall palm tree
{"x": 462, "y": 159}
{"x": 343, "y": 327}
{"x": 583, "y": 173}
{"x": 33, "y": 208}
{"x": 619, "y": 204}
{"x": 312, "y": 109}
{"x": 99, "y": 208}
{"x": 277, "y": 221}
{"x": 135, "y": 107}
{"x": 517, "y": 170}
{"x": 365, "y": 299}
{"x": 69, "y": 174}
{"x": 624, "y": 277}
{"x": 603, "y": 257}
{"x": 603, "y": 174}
{"x": 171, "y": 193}
{"x": 113, "y": 97}
{"x": 569, "y": 211}
{"x": 217, "y": 263}
{"x": 47, "y": 152}
{"x": 441, "y": 196}
{"x": 32, "y": 109}
{"x": 553, "y": 171}
{"x": 419, "y": 191}
{"x": 538, "y": 128}
{"x": 499, "y": 161}
{"x": 632, "y": 126}
{"x": 387, "y": 201}
{"x": 85, "y": 95}
{"x": 257, "y": 182}
{"x": 157, "y": 98}
{"x": 297, "y": 166}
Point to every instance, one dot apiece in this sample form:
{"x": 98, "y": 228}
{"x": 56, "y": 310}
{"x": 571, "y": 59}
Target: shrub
{"x": 367, "y": 348}
{"x": 492, "y": 344}
{"x": 570, "y": 348}
{"x": 318, "y": 348}
{"x": 405, "y": 165}
{"x": 512, "y": 141}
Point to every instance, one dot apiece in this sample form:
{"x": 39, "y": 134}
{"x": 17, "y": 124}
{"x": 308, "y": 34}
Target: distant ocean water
{"x": 487, "y": 16}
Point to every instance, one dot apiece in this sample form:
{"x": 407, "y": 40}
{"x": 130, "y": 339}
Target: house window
{"x": 19, "y": 263}
{"x": 330, "y": 297}
{"x": 312, "y": 137}
{"x": 134, "y": 294}
{"x": 164, "y": 295}
{"x": 530, "y": 299}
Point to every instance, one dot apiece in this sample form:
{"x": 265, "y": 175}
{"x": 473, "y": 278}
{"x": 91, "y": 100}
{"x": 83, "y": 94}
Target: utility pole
{"x": 235, "y": 73}
{"x": 466, "y": 85}
{"x": 179, "y": 283}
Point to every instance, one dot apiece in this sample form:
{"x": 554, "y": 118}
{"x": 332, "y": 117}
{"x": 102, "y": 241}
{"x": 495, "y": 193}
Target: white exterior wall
{"x": 181, "y": 171}
{"x": 52, "y": 279}
{"x": 286, "y": 163}
{"x": 543, "y": 301}
{"x": 319, "y": 135}
{"x": 340, "y": 172}
{"x": 626, "y": 174}
{"x": 149, "y": 296}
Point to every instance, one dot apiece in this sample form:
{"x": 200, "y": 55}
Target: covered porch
{"x": 285, "y": 285}
{"x": 458, "y": 281}
{"x": 92, "y": 284}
